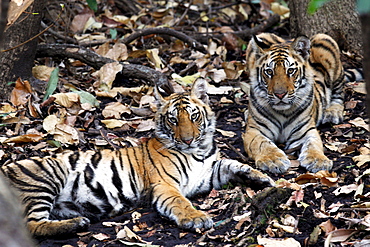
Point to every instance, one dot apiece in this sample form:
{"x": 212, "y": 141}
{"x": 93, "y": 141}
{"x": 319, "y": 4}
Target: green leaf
{"x": 363, "y": 6}
{"x": 92, "y": 5}
{"x": 86, "y": 97}
{"x": 54, "y": 143}
{"x": 314, "y": 5}
{"x": 52, "y": 84}
{"x": 113, "y": 33}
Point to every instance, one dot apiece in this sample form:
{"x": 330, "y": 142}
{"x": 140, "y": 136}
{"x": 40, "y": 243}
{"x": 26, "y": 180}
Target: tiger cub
{"x": 294, "y": 86}
{"x": 63, "y": 193}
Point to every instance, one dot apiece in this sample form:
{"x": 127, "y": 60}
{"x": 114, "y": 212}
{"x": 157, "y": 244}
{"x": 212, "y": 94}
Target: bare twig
{"x": 245, "y": 159}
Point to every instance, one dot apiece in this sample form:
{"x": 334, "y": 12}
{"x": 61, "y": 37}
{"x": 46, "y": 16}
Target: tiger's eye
{"x": 291, "y": 71}
{"x": 194, "y": 116}
{"x": 269, "y": 72}
{"x": 172, "y": 120}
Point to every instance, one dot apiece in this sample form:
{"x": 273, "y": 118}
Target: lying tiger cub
{"x": 294, "y": 86}
{"x": 62, "y": 193}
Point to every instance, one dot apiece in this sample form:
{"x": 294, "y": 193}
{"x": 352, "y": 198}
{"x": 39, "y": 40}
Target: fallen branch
{"x": 245, "y": 34}
{"x": 96, "y": 61}
{"x": 166, "y": 31}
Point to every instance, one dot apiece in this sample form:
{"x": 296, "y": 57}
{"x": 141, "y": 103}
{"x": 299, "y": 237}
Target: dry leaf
{"x": 61, "y": 131}
{"x": 327, "y": 226}
{"x": 226, "y": 133}
{"x": 25, "y": 138}
{"x": 118, "y": 52}
{"x": 66, "y": 99}
{"x": 101, "y": 236}
{"x": 16, "y": 8}
{"x": 346, "y": 189}
{"x": 127, "y": 234}
{"x": 106, "y": 75}
{"x": 115, "y": 110}
{"x": 269, "y": 242}
{"x": 360, "y": 123}
{"x": 289, "y": 229}
{"x": 153, "y": 56}
{"x": 361, "y": 159}
{"x": 282, "y": 183}
{"x": 145, "y": 125}
{"x": 125, "y": 91}
{"x": 21, "y": 92}
{"x": 79, "y": 20}
{"x": 113, "y": 123}
{"x": 42, "y": 72}
{"x": 339, "y": 235}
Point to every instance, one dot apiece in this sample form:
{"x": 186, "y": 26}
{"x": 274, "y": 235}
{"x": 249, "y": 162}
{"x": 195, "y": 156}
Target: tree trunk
{"x": 18, "y": 62}
{"x": 337, "y": 18}
{"x": 365, "y": 20}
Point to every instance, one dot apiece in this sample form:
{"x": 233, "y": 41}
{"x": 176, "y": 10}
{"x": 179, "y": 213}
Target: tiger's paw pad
{"x": 316, "y": 163}
{"x": 333, "y": 114}
{"x": 196, "y": 220}
{"x": 274, "y": 163}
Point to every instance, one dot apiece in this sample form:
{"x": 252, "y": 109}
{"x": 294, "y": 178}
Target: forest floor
{"x": 305, "y": 209}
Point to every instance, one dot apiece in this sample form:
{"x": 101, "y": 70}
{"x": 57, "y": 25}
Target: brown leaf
{"x": 101, "y": 236}
{"x": 79, "y": 21}
{"x": 327, "y": 226}
{"x": 21, "y": 92}
{"x": 360, "y": 123}
{"x": 24, "y": 138}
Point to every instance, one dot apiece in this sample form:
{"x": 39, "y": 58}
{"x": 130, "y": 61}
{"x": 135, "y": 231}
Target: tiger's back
{"x": 63, "y": 193}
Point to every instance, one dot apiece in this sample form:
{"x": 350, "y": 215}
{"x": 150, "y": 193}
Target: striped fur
{"x": 294, "y": 86}
{"x": 63, "y": 193}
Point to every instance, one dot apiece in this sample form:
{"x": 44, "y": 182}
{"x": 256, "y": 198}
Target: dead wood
{"x": 166, "y": 31}
{"x": 96, "y": 61}
{"x": 245, "y": 34}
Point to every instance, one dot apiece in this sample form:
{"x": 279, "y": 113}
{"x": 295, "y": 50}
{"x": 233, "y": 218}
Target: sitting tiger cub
{"x": 294, "y": 86}
{"x": 62, "y": 193}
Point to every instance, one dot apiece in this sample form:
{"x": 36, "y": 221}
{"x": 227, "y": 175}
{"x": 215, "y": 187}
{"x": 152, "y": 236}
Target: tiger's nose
{"x": 187, "y": 140}
{"x": 280, "y": 95}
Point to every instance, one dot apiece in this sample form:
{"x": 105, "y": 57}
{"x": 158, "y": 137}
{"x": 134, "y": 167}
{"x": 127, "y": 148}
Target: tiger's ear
{"x": 158, "y": 96}
{"x": 258, "y": 46}
{"x": 199, "y": 90}
{"x": 301, "y": 46}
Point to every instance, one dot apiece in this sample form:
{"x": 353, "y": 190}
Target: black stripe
{"x": 95, "y": 159}
{"x": 73, "y": 158}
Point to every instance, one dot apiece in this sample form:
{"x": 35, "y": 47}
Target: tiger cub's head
{"x": 281, "y": 73}
{"x": 184, "y": 121}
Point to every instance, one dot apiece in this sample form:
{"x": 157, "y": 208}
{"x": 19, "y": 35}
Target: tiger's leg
{"x": 325, "y": 59}
{"x": 225, "y": 170}
{"x": 312, "y": 155}
{"x": 171, "y": 203}
{"x": 267, "y": 155}
{"x": 38, "y": 183}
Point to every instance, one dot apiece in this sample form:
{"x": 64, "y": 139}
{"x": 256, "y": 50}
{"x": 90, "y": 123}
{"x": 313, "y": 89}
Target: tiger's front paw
{"x": 247, "y": 172}
{"x": 276, "y": 162}
{"x": 333, "y": 114}
{"x": 195, "y": 219}
{"x": 315, "y": 162}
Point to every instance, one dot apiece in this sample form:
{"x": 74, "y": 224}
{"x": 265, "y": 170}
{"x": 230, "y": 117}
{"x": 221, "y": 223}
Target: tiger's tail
{"x": 353, "y": 74}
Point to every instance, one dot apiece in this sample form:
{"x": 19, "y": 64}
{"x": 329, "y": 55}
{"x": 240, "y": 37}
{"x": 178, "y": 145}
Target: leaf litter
{"x": 99, "y": 109}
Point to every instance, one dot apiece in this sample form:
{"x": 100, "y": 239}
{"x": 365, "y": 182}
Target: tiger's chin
{"x": 281, "y": 106}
